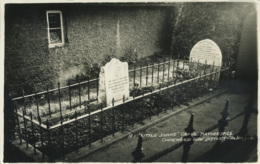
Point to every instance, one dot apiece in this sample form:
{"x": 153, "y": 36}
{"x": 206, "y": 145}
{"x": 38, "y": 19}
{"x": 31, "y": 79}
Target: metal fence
{"x": 56, "y": 134}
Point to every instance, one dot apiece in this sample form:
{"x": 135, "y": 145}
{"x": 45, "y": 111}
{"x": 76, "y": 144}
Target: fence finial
{"x": 190, "y": 128}
{"x": 138, "y": 152}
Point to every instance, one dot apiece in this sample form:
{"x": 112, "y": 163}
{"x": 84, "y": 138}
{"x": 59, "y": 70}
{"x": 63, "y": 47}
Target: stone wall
{"x": 92, "y": 31}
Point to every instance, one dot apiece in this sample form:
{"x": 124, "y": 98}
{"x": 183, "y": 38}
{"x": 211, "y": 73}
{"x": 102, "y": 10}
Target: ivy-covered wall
{"x": 92, "y": 32}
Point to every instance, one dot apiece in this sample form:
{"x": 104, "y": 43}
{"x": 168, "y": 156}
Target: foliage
{"x": 220, "y": 22}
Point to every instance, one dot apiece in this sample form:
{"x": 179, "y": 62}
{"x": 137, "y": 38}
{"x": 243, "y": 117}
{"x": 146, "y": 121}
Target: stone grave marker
{"x": 206, "y": 50}
{"x": 113, "y": 82}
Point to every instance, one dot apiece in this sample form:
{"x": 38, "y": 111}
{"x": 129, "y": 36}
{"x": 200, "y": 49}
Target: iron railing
{"x": 58, "y": 134}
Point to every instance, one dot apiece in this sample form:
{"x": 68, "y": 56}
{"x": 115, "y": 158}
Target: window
{"x": 55, "y": 29}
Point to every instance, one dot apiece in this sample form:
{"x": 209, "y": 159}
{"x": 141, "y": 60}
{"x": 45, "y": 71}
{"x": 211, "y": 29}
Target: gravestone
{"x": 113, "y": 82}
{"x": 206, "y": 50}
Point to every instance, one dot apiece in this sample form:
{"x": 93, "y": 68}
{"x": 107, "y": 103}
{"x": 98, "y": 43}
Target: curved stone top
{"x": 206, "y": 51}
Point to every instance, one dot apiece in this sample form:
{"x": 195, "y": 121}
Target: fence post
{"x": 49, "y": 139}
{"x": 133, "y": 111}
{"x": 24, "y": 108}
{"x": 222, "y": 123}
{"x": 123, "y": 113}
{"x": 88, "y": 89}
{"x": 101, "y": 123}
{"x": 152, "y": 74}
{"x": 62, "y": 137}
{"x": 25, "y": 129}
{"x": 141, "y": 70}
{"x": 79, "y": 90}
{"x": 188, "y": 140}
{"x": 89, "y": 126}
{"x": 173, "y": 65}
{"x": 163, "y": 69}
{"x": 134, "y": 75}
{"x": 77, "y": 140}
{"x": 248, "y": 110}
{"x": 69, "y": 94}
{"x": 59, "y": 99}
{"x": 138, "y": 152}
{"x": 113, "y": 117}
{"x": 150, "y": 107}
{"x": 18, "y": 123}
{"x": 40, "y": 122}
{"x": 142, "y": 115}
{"x": 146, "y": 78}
{"x": 49, "y": 105}
{"x": 37, "y": 105}
{"x": 158, "y": 72}
{"x": 33, "y": 135}
{"x": 169, "y": 65}
{"x": 97, "y": 85}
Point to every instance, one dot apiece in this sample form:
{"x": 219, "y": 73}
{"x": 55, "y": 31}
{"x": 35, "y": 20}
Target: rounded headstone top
{"x": 206, "y": 51}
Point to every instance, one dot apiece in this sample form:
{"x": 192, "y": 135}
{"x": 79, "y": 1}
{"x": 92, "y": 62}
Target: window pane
{"x": 55, "y": 36}
{"x": 54, "y": 20}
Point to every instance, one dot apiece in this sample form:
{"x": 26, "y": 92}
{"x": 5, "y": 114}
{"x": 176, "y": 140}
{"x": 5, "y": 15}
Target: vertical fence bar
{"x": 133, "y": 112}
{"x": 113, "y": 117}
{"x": 62, "y": 137}
{"x": 24, "y": 108}
{"x": 150, "y": 107}
{"x": 123, "y": 121}
{"x": 37, "y": 106}
{"x": 49, "y": 104}
{"x": 172, "y": 97}
{"x": 163, "y": 69}
{"x": 88, "y": 89}
{"x": 49, "y": 139}
{"x": 134, "y": 75}
{"x": 18, "y": 124}
{"x": 146, "y": 78}
{"x": 101, "y": 123}
{"x": 59, "y": 99}
{"x": 152, "y": 74}
{"x": 69, "y": 95}
{"x": 157, "y": 108}
{"x": 183, "y": 65}
{"x": 79, "y": 91}
{"x": 158, "y": 72}
{"x": 40, "y": 122}
{"x": 97, "y": 86}
{"x": 89, "y": 127}
{"x": 33, "y": 133}
{"x": 169, "y": 65}
{"x": 77, "y": 139}
{"x": 142, "y": 114}
{"x": 141, "y": 70}
{"x": 173, "y": 66}
{"x": 25, "y": 129}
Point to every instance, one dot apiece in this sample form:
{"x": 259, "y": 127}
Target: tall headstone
{"x": 206, "y": 50}
{"x": 113, "y": 81}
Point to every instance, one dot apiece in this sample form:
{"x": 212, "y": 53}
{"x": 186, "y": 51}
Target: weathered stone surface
{"x": 113, "y": 82}
{"x": 206, "y": 50}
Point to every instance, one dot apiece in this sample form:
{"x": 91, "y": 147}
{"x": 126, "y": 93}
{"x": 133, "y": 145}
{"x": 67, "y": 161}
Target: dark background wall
{"x": 92, "y": 32}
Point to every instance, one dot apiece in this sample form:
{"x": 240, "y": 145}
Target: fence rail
{"x": 96, "y": 121}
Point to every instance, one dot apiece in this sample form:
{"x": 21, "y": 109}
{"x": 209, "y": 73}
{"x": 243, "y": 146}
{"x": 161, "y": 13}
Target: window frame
{"x": 53, "y": 45}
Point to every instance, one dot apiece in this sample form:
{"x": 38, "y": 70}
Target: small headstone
{"x": 206, "y": 50}
{"x": 113, "y": 82}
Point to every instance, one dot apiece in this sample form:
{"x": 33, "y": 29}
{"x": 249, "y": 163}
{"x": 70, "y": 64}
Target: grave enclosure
{"x": 114, "y": 102}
